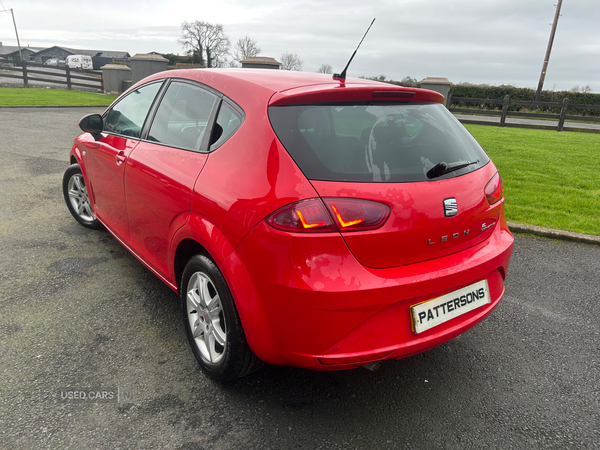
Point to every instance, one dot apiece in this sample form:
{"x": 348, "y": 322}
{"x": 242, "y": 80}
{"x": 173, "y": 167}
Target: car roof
{"x": 281, "y": 87}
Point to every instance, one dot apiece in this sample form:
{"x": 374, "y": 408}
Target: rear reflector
{"x": 360, "y": 359}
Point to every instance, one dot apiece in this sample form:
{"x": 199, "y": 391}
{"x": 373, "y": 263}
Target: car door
{"x": 163, "y": 168}
{"x": 105, "y": 158}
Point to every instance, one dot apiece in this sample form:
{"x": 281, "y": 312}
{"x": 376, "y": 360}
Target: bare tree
{"x": 409, "y": 82}
{"x": 582, "y": 89}
{"x": 206, "y": 41}
{"x": 325, "y": 68}
{"x": 245, "y": 47}
{"x": 291, "y": 61}
{"x": 377, "y": 78}
{"x": 220, "y": 60}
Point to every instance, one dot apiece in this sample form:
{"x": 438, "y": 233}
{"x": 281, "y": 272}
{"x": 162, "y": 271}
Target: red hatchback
{"x": 303, "y": 221}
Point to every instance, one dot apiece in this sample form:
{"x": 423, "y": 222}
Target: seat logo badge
{"x": 450, "y": 207}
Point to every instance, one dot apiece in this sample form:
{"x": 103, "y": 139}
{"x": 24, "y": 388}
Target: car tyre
{"x": 212, "y": 323}
{"x": 76, "y": 196}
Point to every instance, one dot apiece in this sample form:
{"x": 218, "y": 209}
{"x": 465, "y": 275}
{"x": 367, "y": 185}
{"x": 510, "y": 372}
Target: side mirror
{"x": 93, "y": 124}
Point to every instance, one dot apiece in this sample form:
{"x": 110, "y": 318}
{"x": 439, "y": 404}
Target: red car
{"x": 304, "y": 221}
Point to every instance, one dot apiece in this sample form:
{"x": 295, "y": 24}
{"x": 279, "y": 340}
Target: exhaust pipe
{"x": 374, "y": 366}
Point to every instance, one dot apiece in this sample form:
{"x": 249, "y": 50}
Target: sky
{"x": 477, "y": 41}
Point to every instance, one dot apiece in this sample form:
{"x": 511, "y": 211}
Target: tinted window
{"x": 182, "y": 116}
{"x": 228, "y": 121}
{"x": 374, "y": 142}
{"x": 127, "y": 117}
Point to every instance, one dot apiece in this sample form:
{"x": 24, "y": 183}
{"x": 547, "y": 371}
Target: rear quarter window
{"x": 228, "y": 122}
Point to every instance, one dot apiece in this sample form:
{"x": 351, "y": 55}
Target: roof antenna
{"x": 341, "y": 77}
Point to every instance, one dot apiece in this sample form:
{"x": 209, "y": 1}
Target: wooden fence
{"x": 58, "y": 75}
{"x": 564, "y": 107}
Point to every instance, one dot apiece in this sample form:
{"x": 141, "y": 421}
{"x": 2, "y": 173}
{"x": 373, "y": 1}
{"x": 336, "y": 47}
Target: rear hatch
{"x": 412, "y": 156}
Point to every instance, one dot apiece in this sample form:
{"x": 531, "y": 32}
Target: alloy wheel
{"x": 206, "y": 318}
{"x": 79, "y": 199}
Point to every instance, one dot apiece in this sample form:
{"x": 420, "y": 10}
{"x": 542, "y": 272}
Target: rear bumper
{"x": 305, "y": 301}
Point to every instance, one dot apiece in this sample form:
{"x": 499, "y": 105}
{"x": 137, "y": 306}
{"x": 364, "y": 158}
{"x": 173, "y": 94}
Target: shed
{"x": 260, "y": 62}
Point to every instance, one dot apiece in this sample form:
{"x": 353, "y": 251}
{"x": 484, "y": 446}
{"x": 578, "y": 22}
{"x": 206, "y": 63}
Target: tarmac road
{"x": 78, "y": 313}
{"x": 529, "y": 123}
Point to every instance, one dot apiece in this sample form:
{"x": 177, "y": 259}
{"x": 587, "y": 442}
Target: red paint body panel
{"x": 417, "y": 229}
{"x": 236, "y": 197}
{"x": 200, "y": 229}
{"x": 159, "y": 181}
{"x": 104, "y": 163}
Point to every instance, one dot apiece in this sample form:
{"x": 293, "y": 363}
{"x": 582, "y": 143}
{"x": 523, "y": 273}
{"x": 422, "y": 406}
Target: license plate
{"x": 434, "y": 312}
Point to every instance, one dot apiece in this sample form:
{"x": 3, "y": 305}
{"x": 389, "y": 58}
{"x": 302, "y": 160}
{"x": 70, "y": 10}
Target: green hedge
{"x": 523, "y": 94}
{"x": 520, "y": 94}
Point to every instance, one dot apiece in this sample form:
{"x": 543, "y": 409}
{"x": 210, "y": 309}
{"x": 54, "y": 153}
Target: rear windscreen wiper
{"x": 442, "y": 168}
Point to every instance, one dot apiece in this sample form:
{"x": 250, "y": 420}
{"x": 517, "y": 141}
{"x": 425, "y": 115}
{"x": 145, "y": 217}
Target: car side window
{"x": 182, "y": 116}
{"x": 127, "y": 117}
{"x": 228, "y": 121}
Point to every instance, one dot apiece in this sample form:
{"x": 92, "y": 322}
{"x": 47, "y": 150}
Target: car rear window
{"x": 375, "y": 142}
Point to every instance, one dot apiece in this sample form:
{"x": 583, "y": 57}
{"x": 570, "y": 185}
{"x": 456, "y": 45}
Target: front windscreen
{"x": 377, "y": 142}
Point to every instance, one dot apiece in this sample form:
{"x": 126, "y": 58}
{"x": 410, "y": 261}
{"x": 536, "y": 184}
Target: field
{"x": 51, "y": 97}
{"x": 551, "y": 179}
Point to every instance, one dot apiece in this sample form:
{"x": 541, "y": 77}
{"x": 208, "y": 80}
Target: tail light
{"x": 306, "y": 216}
{"x": 352, "y": 214}
{"x": 494, "y": 190}
{"x": 330, "y": 214}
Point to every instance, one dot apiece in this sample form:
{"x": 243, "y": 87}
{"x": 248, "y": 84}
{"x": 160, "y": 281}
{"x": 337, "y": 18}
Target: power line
{"x": 6, "y": 9}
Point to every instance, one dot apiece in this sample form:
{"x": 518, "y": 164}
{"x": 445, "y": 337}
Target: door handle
{"x": 120, "y": 158}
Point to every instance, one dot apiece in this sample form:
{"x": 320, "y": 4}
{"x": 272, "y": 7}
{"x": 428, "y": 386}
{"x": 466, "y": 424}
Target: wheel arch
{"x": 76, "y": 157}
{"x": 184, "y": 251}
{"x": 76, "y": 154}
{"x": 199, "y": 235}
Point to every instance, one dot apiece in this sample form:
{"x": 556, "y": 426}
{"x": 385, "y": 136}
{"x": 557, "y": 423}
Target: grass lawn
{"x": 551, "y": 179}
{"x": 51, "y": 97}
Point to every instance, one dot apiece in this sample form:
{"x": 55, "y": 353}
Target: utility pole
{"x": 17, "y": 33}
{"x": 548, "y": 50}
